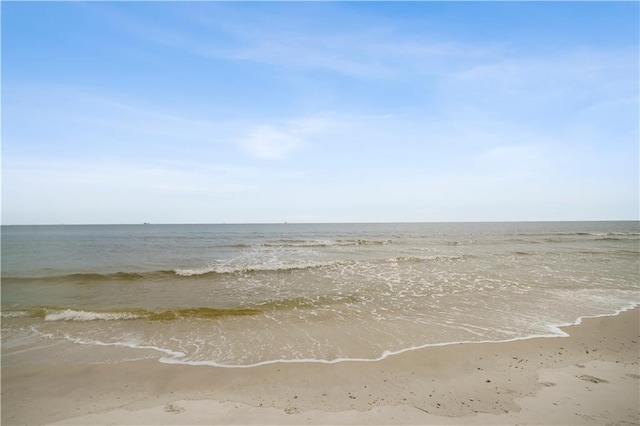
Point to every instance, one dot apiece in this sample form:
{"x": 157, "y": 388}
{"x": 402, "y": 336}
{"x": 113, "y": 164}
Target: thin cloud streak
{"x": 370, "y": 52}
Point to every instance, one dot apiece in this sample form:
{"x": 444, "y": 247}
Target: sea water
{"x": 244, "y": 295}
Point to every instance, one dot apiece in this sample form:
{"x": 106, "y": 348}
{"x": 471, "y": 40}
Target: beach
{"x": 321, "y": 323}
{"x": 590, "y": 377}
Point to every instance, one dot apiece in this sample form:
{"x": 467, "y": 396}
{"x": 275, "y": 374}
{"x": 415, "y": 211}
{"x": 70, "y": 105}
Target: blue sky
{"x": 206, "y": 112}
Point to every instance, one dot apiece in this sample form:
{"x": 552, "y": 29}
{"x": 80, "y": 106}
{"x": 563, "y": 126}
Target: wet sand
{"x": 591, "y": 377}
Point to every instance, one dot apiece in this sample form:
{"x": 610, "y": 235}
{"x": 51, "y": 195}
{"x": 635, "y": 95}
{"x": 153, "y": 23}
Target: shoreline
{"x": 556, "y": 331}
{"x": 592, "y": 375}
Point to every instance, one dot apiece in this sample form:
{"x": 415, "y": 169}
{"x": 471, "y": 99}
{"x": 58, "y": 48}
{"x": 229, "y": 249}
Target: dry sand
{"x": 591, "y": 377}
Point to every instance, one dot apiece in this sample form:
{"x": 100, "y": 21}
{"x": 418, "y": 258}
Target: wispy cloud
{"x": 111, "y": 123}
{"x": 270, "y": 142}
{"x": 276, "y": 142}
{"x": 369, "y": 55}
{"x": 99, "y": 124}
{"x": 371, "y": 50}
{"x": 576, "y": 76}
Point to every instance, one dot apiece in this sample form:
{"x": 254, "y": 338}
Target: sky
{"x": 258, "y": 112}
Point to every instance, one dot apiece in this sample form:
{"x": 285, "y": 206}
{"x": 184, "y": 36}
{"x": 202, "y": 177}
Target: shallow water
{"x": 239, "y": 295}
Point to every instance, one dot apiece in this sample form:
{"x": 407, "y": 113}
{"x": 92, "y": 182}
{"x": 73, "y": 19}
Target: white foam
{"x": 73, "y": 315}
{"x": 252, "y": 268}
{"x": 197, "y": 271}
{"x": 130, "y": 344}
{"x": 14, "y": 314}
{"x": 125, "y": 344}
{"x": 554, "y": 331}
{"x": 325, "y": 243}
{"x": 427, "y": 258}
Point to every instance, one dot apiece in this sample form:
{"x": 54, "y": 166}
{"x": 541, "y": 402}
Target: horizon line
{"x": 322, "y": 223}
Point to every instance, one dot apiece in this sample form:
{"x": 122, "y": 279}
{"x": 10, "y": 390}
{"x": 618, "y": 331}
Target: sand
{"x": 590, "y": 377}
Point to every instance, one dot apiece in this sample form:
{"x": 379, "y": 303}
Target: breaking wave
{"x": 57, "y": 314}
{"x": 435, "y": 258}
{"x": 325, "y": 243}
{"x": 213, "y": 270}
{"x": 222, "y": 269}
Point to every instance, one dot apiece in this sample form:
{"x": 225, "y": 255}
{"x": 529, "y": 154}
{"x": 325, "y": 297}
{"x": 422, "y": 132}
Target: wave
{"x": 69, "y": 314}
{"x": 86, "y": 278}
{"x": 435, "y": 258}
{"x": 48, "y": 313}
{"x": 215, "y": 270}
{"x": 14, "y": 314}
{"x": 73, "y": 315}
{"x": 308, "y": 301}
{"x": 628, "y": 251}
{"x": 325, "y": 243}
{"x": 120, "y": 276}
{"x": 221, "y": 269}
{"x": 207, "y": 270}
{"x": 127, "y": 314}
{"x": 581, "y": 234}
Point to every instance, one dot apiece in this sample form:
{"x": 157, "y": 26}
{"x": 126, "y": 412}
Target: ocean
{"x": 244, "y": 295}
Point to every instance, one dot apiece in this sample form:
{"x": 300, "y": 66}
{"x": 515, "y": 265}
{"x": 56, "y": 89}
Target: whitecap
{"x": 73, "y": 315}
